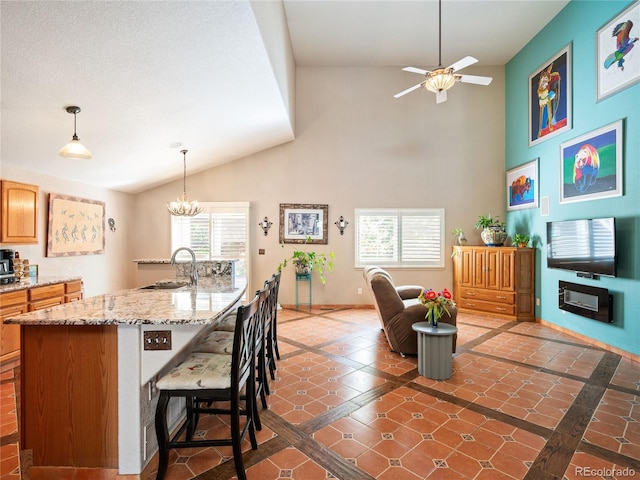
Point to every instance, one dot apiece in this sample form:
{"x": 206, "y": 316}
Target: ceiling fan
{"x": 442, "y": 79}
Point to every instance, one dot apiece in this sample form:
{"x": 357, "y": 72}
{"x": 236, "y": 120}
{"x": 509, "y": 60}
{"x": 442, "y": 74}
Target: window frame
{"x": 212, "y": 208}
{"x": 438, "y": 261}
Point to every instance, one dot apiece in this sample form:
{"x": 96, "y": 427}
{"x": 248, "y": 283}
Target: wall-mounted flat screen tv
{"x": 583, "y": 245}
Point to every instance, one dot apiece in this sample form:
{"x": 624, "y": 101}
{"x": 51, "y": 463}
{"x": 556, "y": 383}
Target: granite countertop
{"x": 168, "y": 261}
{"x": 39, "y": 281}
{"x": 212, "y": 298}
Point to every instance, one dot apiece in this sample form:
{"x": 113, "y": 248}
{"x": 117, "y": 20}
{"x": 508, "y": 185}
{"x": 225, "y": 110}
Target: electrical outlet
{"x": 157, "y": 340}
{"x": 261, "y": 251}
{"x": 359, "y": 291}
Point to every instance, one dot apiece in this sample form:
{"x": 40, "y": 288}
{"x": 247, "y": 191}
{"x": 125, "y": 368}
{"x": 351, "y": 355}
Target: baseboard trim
{"x": 623, "y": 353}
{"x": 327, "y": 307}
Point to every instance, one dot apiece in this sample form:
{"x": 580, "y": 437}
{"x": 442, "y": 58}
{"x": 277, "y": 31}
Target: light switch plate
{"x": 157, "y": 340}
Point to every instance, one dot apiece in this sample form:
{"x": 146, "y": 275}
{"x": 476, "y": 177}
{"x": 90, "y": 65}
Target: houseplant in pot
{"x": 460, "y": 237}
{"x": 493, "y": 232}
{"x": 306, "y": 262}
{"x": 521, "y": 240}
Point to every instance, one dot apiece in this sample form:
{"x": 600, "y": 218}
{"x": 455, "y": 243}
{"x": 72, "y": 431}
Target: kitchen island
{"x": 87, "y": 382}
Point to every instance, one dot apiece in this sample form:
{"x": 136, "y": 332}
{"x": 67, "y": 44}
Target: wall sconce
{"x": 112, "y": 224}
{"x": 265, "y": 225}
{"x": 341, "y": 223}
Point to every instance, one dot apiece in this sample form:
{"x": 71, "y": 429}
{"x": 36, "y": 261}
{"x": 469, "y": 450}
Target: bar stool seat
{"x": 216, "y": 342}
{"x": 228, "y": 323}
{"x": 199, "y": 371}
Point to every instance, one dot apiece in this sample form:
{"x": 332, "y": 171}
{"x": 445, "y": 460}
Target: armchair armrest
{"x": 409, "y": 291}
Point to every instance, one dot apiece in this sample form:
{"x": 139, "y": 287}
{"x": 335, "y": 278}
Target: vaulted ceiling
{"x": 154, "y": 77}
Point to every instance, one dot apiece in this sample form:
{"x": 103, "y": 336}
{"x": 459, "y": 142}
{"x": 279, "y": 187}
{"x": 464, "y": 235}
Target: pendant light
{"x": 74, "y": 149}
{"x": 182, "y": 207}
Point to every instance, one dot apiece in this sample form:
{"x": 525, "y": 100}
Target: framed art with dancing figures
{"x": 618, "y": 52}
{"x": 522, "y": 186}
{"x": 550, "y": 97}
{"x": 591, "y": 165}
{"x": 303, "y": 223}
{"x": 76, "y": 226}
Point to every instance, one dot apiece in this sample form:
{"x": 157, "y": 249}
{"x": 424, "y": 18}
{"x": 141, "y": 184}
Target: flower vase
{"x": 433, "y": 322}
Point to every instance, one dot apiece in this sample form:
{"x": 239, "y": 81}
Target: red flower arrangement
{"x": 437, "y": 303}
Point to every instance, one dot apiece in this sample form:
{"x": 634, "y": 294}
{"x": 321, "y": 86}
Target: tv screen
{"x": 583, "y": 245}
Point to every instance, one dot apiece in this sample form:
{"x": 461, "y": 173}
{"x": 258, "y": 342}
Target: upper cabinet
{"x": 19, "y": 213}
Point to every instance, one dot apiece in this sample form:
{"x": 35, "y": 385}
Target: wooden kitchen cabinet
{"x": 46, "y": 296}
{"x": 495, "y": 280}
{"x": 11, "y": 303}
{"x": 19, "y": 212}
{"x": 73, "y": 291}
{"x": 27, "y": 300}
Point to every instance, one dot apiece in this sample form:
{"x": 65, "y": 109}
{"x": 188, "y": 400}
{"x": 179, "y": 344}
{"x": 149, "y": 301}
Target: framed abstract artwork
{"x": 303, "y": 223}
{"x": 550, "y": 97}
{"x": 522, "y": 186}
{"x": 76, "y": 226}
{"x": 618, "y": 62}
{"x": 591, "y": 165}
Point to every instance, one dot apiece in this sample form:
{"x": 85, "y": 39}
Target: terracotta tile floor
{"x": 524, "y": 402}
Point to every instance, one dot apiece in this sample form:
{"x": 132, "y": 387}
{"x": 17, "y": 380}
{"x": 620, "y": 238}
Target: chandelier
{"x": 182, "y": 207}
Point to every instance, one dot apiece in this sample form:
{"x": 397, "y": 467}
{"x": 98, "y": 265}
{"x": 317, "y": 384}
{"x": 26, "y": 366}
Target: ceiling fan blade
{"x": 411, "y": 89}
{"x": 475, "y": 79}
{"x": 441, "y": 96}
{"x": 416, "y": 70}
{"x": 465, "y": 62}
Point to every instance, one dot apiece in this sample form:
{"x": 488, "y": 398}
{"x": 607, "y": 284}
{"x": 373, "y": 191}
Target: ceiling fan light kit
{"x": 182, "y": 207}
{"x": 74, "y": 149}
{"x": 442, "y": 79}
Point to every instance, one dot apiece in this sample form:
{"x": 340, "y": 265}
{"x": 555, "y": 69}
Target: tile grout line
{"x": 555, "y": 457}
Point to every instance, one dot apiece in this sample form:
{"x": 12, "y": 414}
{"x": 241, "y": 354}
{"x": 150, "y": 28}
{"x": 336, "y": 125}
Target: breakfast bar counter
{"x": 88, "y": 391}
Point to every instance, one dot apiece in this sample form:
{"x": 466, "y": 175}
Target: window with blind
{"x": 220, "y": 232}
{"x": 400, "y": 237}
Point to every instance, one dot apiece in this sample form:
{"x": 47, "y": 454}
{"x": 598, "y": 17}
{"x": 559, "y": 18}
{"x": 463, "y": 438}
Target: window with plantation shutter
{"x": 220, "y": 232}
{"x": 409, "y": 237}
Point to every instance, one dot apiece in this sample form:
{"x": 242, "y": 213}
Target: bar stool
{"x": 274, "y": 326}
{"x": 211, "y": 377}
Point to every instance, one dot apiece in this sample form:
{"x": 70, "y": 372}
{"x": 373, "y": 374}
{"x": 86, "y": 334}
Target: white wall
{"x": 102, "y": 273}
{"x": 357, "y": 146}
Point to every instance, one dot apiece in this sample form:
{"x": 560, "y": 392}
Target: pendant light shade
{"x": 74, "y": 149}
{"x": 182, "y": 207}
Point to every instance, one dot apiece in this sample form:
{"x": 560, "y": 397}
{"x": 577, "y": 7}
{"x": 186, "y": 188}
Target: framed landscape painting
{"x": 550, "y": 97}
{"x": 522, "y": 186}
{"x": 618, "y": 52}
{"x": 303, "y": 223}
{"x": 591, "y": 165}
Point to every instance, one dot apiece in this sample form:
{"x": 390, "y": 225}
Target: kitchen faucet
{"x": 194, "y": 266}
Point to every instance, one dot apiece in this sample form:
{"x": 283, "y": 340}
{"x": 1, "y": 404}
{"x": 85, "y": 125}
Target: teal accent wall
{"x": 577, "y": 24}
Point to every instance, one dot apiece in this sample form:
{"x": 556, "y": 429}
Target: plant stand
{"x": 303, "y": 277}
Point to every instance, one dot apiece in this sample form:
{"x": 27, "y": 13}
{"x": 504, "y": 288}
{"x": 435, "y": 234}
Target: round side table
{"x": 434, "y": 350}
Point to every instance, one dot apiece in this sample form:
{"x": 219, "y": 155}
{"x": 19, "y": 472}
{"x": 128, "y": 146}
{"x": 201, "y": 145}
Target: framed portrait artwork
{"x": 522, "y": 186}
{"x": 618, "y": 62}
{"x": 591, "y": 165}
{"x": 303, "y": 223}
{"x": 76, "y": 226}
{"x": 550, "y": 97}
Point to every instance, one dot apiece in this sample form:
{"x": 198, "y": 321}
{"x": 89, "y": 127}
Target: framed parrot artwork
{"x": 618, "y": 52}
{"x": 550, "y": 97}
